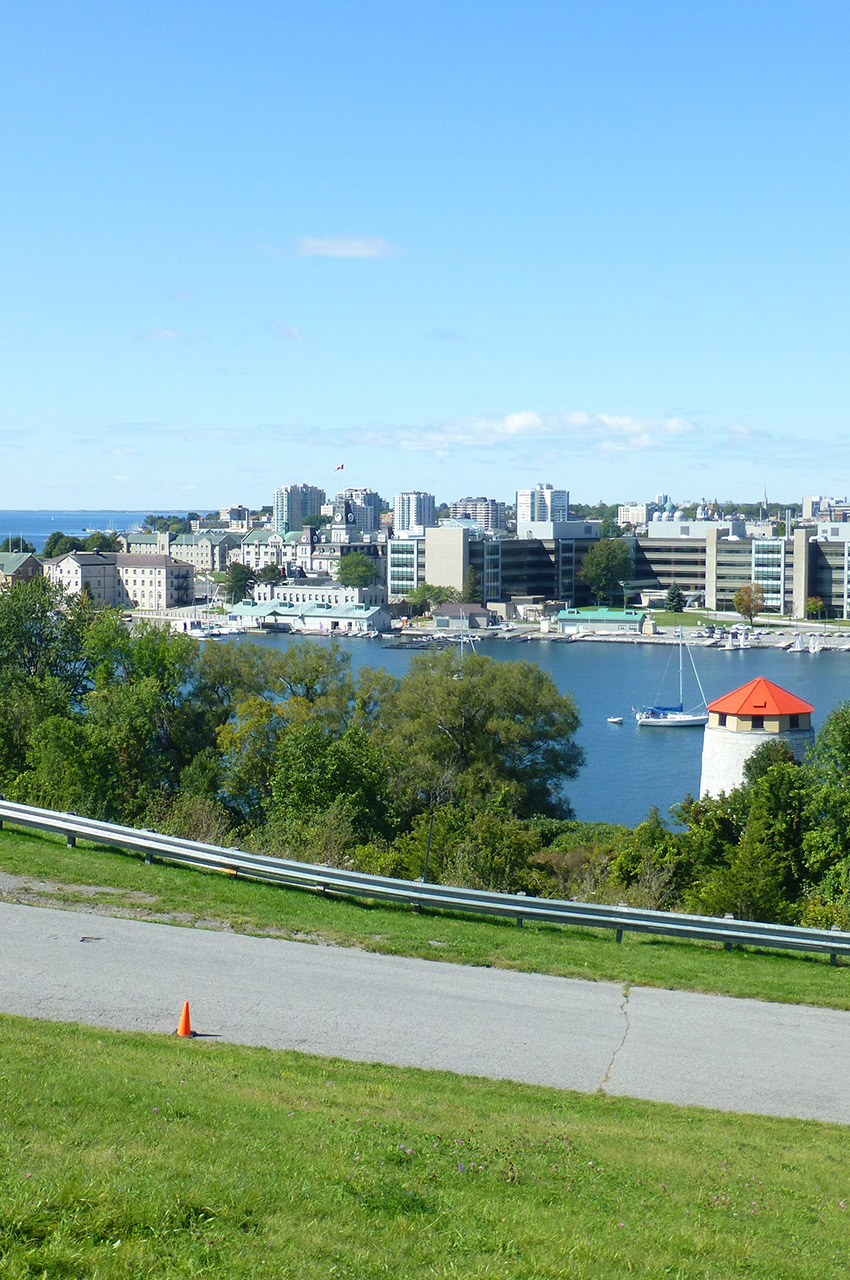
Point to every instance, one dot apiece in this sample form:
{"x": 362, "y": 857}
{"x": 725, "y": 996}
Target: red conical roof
{"x": 760, "y": 698}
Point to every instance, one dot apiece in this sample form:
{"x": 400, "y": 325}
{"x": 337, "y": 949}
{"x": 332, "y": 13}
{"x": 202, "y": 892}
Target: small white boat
{"x": 615, "y": 719}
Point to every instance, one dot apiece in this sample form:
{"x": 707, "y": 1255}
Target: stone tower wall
{"x": 724, "y": 754}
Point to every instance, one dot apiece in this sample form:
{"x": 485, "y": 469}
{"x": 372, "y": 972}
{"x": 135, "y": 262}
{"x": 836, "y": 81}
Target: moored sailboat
{"x": 676, "y": 717}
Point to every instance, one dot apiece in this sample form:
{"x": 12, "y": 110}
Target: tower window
{"x": 793, "y": 722}
{"x": 721, "y": 718}
{"x": 757, "y": 722}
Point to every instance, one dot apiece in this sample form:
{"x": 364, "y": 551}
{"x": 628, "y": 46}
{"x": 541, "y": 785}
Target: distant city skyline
{"x": 453, "y": 249}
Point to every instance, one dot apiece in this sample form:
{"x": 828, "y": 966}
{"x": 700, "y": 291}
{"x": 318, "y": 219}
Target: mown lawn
{"x": 187, "y": 897}
{"x": 131, "y": 1156}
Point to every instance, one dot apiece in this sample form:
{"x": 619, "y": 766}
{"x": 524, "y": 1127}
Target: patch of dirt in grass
{"x": 24, "y": 889}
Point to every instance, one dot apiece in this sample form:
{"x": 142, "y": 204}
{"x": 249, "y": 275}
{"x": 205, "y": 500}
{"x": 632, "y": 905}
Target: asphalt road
{"x": 735, "y": 1055}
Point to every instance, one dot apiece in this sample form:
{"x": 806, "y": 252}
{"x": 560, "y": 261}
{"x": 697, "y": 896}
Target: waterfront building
{"x": 314, "y": 617}
{"x": 602, "y": 619}
{"x": 453, "y": 616}
{"x": 743, "y": 720}
{"x": 405, "y": 566}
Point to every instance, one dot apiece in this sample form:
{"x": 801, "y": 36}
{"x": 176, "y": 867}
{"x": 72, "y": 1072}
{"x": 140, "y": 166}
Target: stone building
{"x": 742, "y": 721}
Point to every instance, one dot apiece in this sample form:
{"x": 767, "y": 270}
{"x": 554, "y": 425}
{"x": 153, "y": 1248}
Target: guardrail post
{"x": 727, "y": 915}
{"x": 833, "y": 956}
{"x": 70, "y": 840}
{"x": 521, "y": 894}
{"x": 619, "y": 933}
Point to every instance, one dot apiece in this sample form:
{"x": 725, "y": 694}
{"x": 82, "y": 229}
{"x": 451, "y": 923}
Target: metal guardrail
{"x": 301, "y": 875}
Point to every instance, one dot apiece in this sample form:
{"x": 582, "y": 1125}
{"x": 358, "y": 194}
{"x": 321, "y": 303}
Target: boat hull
{"x": 672, "y": 720}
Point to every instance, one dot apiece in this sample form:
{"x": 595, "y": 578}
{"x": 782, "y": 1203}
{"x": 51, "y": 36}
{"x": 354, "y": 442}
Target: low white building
{"x": 305, "y": 591}
{"x": 314, "y": 617}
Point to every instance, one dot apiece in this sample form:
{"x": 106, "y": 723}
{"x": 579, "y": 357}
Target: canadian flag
{"x": 341, "y": 467}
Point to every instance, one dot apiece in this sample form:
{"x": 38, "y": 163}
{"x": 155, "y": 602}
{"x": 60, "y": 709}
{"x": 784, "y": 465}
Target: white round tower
{"x": 743, "y": 720}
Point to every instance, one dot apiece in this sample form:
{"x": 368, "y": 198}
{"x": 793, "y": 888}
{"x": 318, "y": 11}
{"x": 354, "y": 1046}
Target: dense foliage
{"x": 283, "y": 750}
{"x": 289, "y": 752}
{"x": 604, "y": 568}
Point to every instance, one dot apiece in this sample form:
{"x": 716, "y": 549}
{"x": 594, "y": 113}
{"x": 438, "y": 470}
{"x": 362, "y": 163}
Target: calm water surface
{"x": 629, "y": 769}
{"x": 37, "y": 526}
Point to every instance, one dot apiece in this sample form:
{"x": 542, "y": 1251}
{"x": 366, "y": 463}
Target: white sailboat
{"x": 676, "y": 717}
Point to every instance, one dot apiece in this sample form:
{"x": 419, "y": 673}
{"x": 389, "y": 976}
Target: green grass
{"x": 689, "y": 619}
{"x": 190, "y": 897}
{"x": 140, "y": 1156}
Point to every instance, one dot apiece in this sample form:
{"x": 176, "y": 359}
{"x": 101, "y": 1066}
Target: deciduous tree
{"x": 478, "y": 730}
{"x": 749, "y": 601}
{"x": 356, "y": 570}
{"x": 605, "y": 567}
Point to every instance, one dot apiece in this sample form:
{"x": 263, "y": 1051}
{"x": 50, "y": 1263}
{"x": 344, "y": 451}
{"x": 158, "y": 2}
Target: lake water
{"x": 629, "y": 769}
{"x": 37, "y": 526}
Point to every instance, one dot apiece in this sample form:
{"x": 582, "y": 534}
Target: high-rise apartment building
{"x": 487, "y": 512}
{"x": 295, "y": 505}
{"x": 366, "y": 505}
{"x": 542, "y": 503}
{"x": 413, "y": 510}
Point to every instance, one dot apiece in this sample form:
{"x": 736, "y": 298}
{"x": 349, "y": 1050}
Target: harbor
{"x": 628, "y": 770}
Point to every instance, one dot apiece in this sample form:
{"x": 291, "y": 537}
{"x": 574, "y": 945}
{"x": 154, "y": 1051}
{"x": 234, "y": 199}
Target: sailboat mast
{"x": 681, "y": 686}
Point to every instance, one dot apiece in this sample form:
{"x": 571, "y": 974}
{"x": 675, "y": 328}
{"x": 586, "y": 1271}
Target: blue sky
{"x": 453, "y": 247}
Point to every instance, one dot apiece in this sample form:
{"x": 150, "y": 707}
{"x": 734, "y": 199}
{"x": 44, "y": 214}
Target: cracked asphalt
{"x": 672, "y": 1046}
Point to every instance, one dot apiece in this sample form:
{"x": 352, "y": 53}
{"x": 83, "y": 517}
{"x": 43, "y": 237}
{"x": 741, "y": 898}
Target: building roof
{"x": 454, "y": 609}
{"x": 119, "y": 559}
{"x": 209, "y": 535}
{"x": 309, "y": 609}
{"x": 603, "y": 614}
{"x": 760, "y": 697}
{"x": 11, "y": 561}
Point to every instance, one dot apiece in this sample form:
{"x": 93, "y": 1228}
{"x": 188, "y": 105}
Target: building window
{"x": 721, "y": 718}
{"x": 793, "y": 722}
{"x": 757, "y": 722}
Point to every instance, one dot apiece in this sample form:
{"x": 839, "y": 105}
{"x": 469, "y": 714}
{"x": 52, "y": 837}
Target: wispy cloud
{"x": 444, "y": 335}
{"x": 604, "y": 432}
{"x": 161, "y": 335}
{"x": 123, "y": 453}
{"x": 285, "y": 331}
{"x": 345, "y": 247}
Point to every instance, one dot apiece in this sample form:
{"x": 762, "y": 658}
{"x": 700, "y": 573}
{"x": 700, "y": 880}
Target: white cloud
{"x": 606, "y": 433}
{"x": 345, "y": 247}
{"x": 123, "y": 453}
{"x": 285, "y": 331}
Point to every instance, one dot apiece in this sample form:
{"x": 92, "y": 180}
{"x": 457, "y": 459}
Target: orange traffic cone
{"x": 184, "y": 1027}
